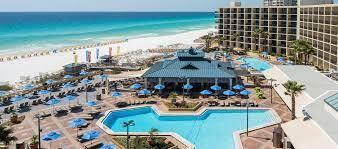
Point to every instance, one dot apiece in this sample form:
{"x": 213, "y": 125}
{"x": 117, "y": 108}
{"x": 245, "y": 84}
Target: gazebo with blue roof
{"x": 191, "y": 66}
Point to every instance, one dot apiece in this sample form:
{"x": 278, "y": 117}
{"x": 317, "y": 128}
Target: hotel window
{"x": 333, "y": 59}
{"x": 327, "y": 19}
{"x": 335, "y": 10}
{"x": 334, "y": 39}
{"x": 334, "y": 49}
{"x": 320, "y": 54}
{"x": 327, "y": 38}
{"x": 321, "y": 11}
{"x": 320, "y": 45}
{"x": 315, "y": 18}
{"x": 315, "y": 10}
{"x": 327, "y": 47}
{"x": 334, "y": 20}
{"x": 326, "y": 56}
{"x": 320, "y": 28}
{"x": 313, "y": 42}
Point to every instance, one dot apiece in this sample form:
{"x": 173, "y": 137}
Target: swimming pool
{"x": 256, "y": 63}
{"x": 212, "y": 129}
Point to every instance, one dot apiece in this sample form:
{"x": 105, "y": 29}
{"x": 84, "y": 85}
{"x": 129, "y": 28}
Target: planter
{"x": 187, "y": 109}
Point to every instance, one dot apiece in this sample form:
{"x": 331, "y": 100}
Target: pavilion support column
{"x": 216, "y": 81}
{"x": 159, "y": 82}
{"x": 230, "y": 83}
{"x": 145, "y": 83}
{"x": 176, "y": 84}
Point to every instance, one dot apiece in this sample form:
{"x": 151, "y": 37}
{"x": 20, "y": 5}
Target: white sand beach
{"x": 12, "y": 70}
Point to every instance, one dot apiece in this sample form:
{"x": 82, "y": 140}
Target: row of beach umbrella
{"x": 188, "y": 86}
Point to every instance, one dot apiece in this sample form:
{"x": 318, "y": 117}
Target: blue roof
{"x": 332, "y": 101}
{"x": 194, "y": 68}
{"x": 190, "y": 53}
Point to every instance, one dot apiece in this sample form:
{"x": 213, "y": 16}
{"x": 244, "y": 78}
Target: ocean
{"x": 24, "y": 31}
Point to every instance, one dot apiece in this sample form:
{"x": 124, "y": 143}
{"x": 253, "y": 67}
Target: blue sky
{"x": 117, "y": 5}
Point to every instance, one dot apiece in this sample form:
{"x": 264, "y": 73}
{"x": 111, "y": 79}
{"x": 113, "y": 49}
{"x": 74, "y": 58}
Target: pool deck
{"x": 201, "y": 111}
{"x": 258, "y": 139}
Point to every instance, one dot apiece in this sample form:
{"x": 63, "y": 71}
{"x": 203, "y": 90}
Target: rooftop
{"x": 191, "y": 64}
{"x": 315, "y": 83}
{"x": 322, "y": 117}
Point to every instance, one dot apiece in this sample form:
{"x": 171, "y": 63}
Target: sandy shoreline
{"x": 11, "y": 71}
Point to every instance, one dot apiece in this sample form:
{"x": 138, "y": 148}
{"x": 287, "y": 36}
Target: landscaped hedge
{"x": 187, "y": 109}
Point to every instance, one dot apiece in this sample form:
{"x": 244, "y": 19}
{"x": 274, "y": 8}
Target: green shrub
{"x": 5, "y": 87}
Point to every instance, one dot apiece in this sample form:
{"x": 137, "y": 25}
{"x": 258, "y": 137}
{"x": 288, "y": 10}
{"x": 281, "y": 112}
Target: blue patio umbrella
{"x": 70, "y": 98}
{"x": 3, "y": 93}
{"x": 136, "y": 86}
{"x": 280, "y": 59}
{"x": 17, "y": 98}
{"x": 215, "y": 88}
{"x": 43, "y": 92}
{"x": 159, "y": 86}
{"x": 90, "y": 135}
{"x": 103, "y": 76}
{"x": 28, "y": 87}
{"x": 53, "y": 102}
{"x": 51, "y": 136}
{"x": 77, "y": 122}
{"x": 229, "y": 93}
{"x": 144, "y": 92}
{"x": 116, "y": 94}
{"x": 86, "y": 81}
{"x": 206, "y": 92}
{"x": 91, "y": 103}
{"x": 82, "y": 73}
{"x": 245, "y": 92}
{"x": 50, "y": 81}
{"x": 238, "y": 87}
{"x": 68, "y": 85}
{"x": 108, "y": 146}
{"x": 67, "y": 76}
{"x": 187, "y": 86}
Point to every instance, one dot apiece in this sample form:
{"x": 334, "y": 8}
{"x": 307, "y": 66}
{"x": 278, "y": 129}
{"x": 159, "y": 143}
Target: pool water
{"x": 213, "y": 129}
{"x": 256, "y": 63}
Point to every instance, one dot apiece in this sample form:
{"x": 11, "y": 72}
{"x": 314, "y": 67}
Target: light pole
{"x": 247, "y": 117}
{"x": 271, "y": 81}
{"x": 128, "y": 124}
{"x": 39, "y": 130}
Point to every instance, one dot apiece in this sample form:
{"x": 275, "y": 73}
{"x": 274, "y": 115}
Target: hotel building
{"x": 317, "y": 24}
{"x": 279, "y": 22}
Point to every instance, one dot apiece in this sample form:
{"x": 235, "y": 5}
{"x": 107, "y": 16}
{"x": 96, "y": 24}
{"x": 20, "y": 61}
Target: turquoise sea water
{"x": 37, "y": 30}
{"x": 214, "y": 129}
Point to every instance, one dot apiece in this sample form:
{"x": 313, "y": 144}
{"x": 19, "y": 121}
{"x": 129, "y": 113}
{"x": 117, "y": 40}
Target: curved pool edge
{"x": 236, "y": 134}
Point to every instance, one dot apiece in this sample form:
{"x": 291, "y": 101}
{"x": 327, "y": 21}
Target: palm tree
{"x": 5, "y": 135}
{"x": 152, "y": 133}
{"x": 219, "y": 41}
{"x": 264, "y": 35}
{"x": 309, "y": 51}
{"x": 302, "y": 47}
{"x": 293, "y": 89}
{"x": 207, "y": 41}
{"x": 255, "y": 34}
{"x": 128, "y": 124}
{"x": 235, "y": 37}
